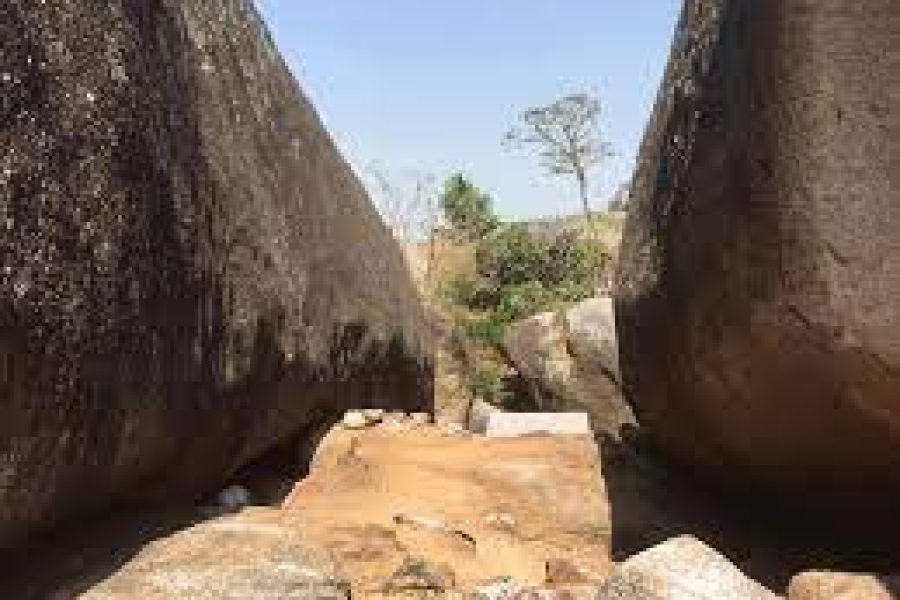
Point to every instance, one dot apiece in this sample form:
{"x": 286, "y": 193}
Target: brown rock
{"x": 819, "y": 585}
{"x": 419, "y": 574}
{"x": 562, "y": 571}
{"x": 681, "y": 568}
{"x": 757, "y": 300}
{"x": 571, "y": 362}
{"x": 448, "y": 511}
{"x": 189, "y": 271}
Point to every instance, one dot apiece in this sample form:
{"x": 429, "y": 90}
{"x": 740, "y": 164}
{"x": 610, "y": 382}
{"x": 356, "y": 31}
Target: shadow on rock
{"x": 652, "y": 500}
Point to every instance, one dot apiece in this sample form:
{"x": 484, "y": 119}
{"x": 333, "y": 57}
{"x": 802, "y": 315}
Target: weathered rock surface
{"x": 396, "y": 515}
{"x": 571, "y": 362}
{"x": 823, "y": 585}
{"x": 189, "y": 271}
{"x": 231, "y": 559}
{"x": 484, "y": 507}
{"x": 757, "y": 295}
{"x": 591, "y": 333}
{"x": 681, "y": 569}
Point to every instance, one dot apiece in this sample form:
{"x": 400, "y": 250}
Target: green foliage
{"x": 520, "y": 273}
{"x": 468, "y": 210}
{"x": 569, "y": 292}
{"x": 487, "y": 329}
{"x": 511, "y": 255}
{"x": 571, "y": 259}
{"x": 475, "y": 293}
{"x": 488, "y": 384}
{"x": 518, "y": 301}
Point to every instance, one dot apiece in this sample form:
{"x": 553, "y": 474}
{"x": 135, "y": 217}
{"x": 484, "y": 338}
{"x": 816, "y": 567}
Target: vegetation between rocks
{"x": 519, "y": 269}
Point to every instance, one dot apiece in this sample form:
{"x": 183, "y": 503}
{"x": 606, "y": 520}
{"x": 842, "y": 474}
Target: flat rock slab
{"x": 486, "y": 507}
{"x": 509, "y": 425}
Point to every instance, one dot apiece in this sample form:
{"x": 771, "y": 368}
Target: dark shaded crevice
{"x": 271, "y": 477}
{"x": 654, "y": 498}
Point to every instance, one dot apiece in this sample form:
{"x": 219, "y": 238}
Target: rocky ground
{"x": 384, "y": 513}
{"x": 395, "y": 506}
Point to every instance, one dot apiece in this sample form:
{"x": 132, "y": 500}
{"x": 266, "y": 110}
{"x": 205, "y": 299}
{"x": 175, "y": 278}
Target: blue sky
{"x": 430, "y": 86}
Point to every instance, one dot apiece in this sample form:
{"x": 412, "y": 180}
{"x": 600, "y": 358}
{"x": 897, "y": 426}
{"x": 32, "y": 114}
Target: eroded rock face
{"x": 758, "y": 307}
{"x": 189, "y": 271}
{"x": 499, "y": 507}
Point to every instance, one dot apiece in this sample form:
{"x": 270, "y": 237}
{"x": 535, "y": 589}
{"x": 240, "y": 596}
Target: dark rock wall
{"x": 759, "y": 286}
{"x": 189, "y": 271}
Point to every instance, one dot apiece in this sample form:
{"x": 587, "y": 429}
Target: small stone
{"x": 233, "y": 498}
{"x": 479, "y": 414}
{"x": 418, "y": 574}
{"x": 420, "y": 419}
{"x": 452, "y": 429}
{"x": 354, "y": 419}
{"x": 501, "y": 521}
{"x": 561, "y": 571}
{"x": 501, "y": 588}
{"x": 394, "y": 417}
{"x": 373, "y": 416}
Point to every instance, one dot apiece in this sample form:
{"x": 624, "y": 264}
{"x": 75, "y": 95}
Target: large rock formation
{"x": 759, "y": 286}
{"x": 189, "y": 271}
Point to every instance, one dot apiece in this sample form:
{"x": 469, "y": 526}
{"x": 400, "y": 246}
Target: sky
{"x": 426, "y": 88}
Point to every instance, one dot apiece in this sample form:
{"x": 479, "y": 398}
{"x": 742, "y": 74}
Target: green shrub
{"x": 523, "y": 300}
{"x": 573, "y": 291}
{"x": 488, "y": 329}
{"x": 511, "y": 255}
{"x": 570, "y": 258}
{"x": 474, "y": 293}
{"x": 488, "y": 384}
{"x": 521, "y": 273}
{"x": 460, "y": 290}
{"x": 468, "y": 210}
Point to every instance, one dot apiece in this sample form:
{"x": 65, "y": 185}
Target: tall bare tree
{"x": 566, "y": 137}
{"x": 410, "y": 205}
{"x": 407, "y": 201}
